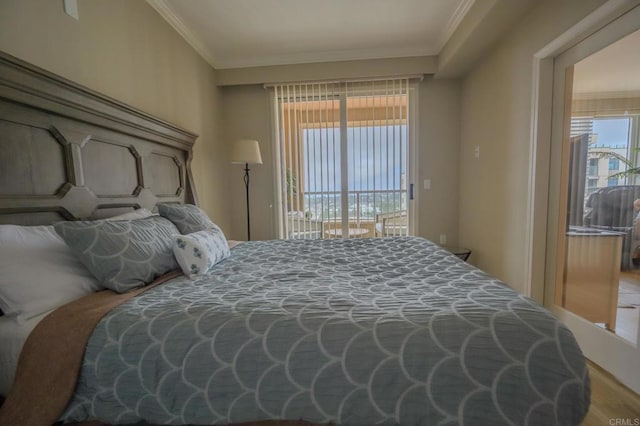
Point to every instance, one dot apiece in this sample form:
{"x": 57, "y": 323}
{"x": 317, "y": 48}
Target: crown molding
{"x": 169, "y": 15}
{"x": 453, "y": 23}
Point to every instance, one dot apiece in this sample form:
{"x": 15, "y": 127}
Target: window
{"x": 614, "y": 139}
{"x": 375, "y": 185}
{"x": 614, "y": 164}
{"x": 593, "y": 167}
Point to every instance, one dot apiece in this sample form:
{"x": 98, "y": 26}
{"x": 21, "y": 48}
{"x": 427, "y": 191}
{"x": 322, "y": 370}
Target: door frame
{"x": 544, "y": 178}
{"x": 413, "y": 147}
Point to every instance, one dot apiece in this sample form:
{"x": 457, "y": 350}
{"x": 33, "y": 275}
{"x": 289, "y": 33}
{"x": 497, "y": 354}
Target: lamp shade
{"x": 246, "y": 151}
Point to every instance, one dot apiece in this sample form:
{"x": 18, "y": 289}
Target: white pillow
{"x": 39, "y": 272}
{"x": 197, "y": 252}
{"x": 141, "y": 213}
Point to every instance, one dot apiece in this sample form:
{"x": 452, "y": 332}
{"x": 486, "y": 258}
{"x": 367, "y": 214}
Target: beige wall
{"x": 247, "y": 114}
{"x": 496, "y": 116}
{"x": 439, "y": 151}
{"x": 125, "y": 50}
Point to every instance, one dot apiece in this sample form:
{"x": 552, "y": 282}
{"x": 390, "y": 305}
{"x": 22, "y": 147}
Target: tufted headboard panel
{"x": 67, "y": 152}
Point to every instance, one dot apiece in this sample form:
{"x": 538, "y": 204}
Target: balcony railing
{"x": 322, "y": 213}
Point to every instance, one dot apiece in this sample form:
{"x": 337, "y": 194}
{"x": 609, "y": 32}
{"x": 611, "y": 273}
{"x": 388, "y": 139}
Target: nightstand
{"x": 461, "y": 252}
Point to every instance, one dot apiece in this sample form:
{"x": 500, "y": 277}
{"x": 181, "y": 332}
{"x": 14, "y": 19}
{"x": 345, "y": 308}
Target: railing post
{"x": 358, "y": 209}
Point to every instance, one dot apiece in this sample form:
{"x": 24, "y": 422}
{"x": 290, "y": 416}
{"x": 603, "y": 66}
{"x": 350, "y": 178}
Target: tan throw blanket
{"x": 51, "y": 358}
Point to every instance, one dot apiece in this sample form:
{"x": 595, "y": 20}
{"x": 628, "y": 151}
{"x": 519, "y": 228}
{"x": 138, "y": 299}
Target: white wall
{"x": 496, "y": 116}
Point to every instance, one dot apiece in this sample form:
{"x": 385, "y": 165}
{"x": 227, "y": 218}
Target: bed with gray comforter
{"x": 355, "y": 332}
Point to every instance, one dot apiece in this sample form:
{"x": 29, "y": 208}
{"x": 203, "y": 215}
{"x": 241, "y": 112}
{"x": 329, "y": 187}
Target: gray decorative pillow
{"x": 187, "y": 217}
{"x": 122, "y": 255}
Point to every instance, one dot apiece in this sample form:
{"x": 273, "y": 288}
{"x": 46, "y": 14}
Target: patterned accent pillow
{"x": 187, "y": 217}
{"x": 197, "y": 252}
{"x": 122, "y": 255}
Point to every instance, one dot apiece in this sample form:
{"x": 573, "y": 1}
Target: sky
{"x": 377, "y": 158}
{"x": 612, "y": 131}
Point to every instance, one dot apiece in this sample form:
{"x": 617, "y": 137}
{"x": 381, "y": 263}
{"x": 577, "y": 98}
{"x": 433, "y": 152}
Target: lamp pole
{"x": 246, "y": 151}
{"x": 246, "y": 184}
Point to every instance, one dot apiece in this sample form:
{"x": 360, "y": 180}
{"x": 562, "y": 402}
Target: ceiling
{"x": 249, "y": 33}
{"x": 612, "y": 71}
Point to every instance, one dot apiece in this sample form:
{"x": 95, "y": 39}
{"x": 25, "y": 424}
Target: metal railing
{"x": 363, "y": 205}
{"x": 321, "y": 212}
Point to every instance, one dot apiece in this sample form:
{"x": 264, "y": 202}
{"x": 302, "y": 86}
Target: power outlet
{"x": 443, "y": 238}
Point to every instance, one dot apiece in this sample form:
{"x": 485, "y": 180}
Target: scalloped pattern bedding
{"x": 355, "y": 332}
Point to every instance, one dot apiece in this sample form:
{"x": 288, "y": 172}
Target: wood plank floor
{"x": 610, "y": 401}
{"x": 628, "y": 306}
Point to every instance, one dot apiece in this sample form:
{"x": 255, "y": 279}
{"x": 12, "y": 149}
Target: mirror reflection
{"x": 601, "y": 280}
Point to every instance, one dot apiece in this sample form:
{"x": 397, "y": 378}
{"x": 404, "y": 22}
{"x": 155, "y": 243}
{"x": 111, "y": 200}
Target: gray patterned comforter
{"x": 355, "y": 332}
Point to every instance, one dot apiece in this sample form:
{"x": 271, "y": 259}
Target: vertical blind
{"x": 342, "y": 158}
{"x": 581, "y": 125}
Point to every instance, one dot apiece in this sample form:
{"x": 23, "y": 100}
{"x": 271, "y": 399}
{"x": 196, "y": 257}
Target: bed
{"x": 343, "y": 331}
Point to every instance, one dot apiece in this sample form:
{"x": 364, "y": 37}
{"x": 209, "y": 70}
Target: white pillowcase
{"x": 197, "y": 252}
{"x": 141, "y": 213}
{"x": 39, "y": 272}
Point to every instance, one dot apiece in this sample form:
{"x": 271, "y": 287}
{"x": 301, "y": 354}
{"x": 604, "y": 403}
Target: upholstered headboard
{"x": 67, "y": 152}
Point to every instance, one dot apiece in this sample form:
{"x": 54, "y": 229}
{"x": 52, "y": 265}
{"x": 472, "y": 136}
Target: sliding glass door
{"x": 343, "y": 159}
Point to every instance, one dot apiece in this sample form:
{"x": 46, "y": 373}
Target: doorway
{"x": 594, "y": 226}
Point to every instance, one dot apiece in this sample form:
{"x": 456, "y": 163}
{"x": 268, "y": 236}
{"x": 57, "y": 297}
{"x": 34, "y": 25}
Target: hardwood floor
{"x": 612, "y": 403}
{"x": 628, "y": 306}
